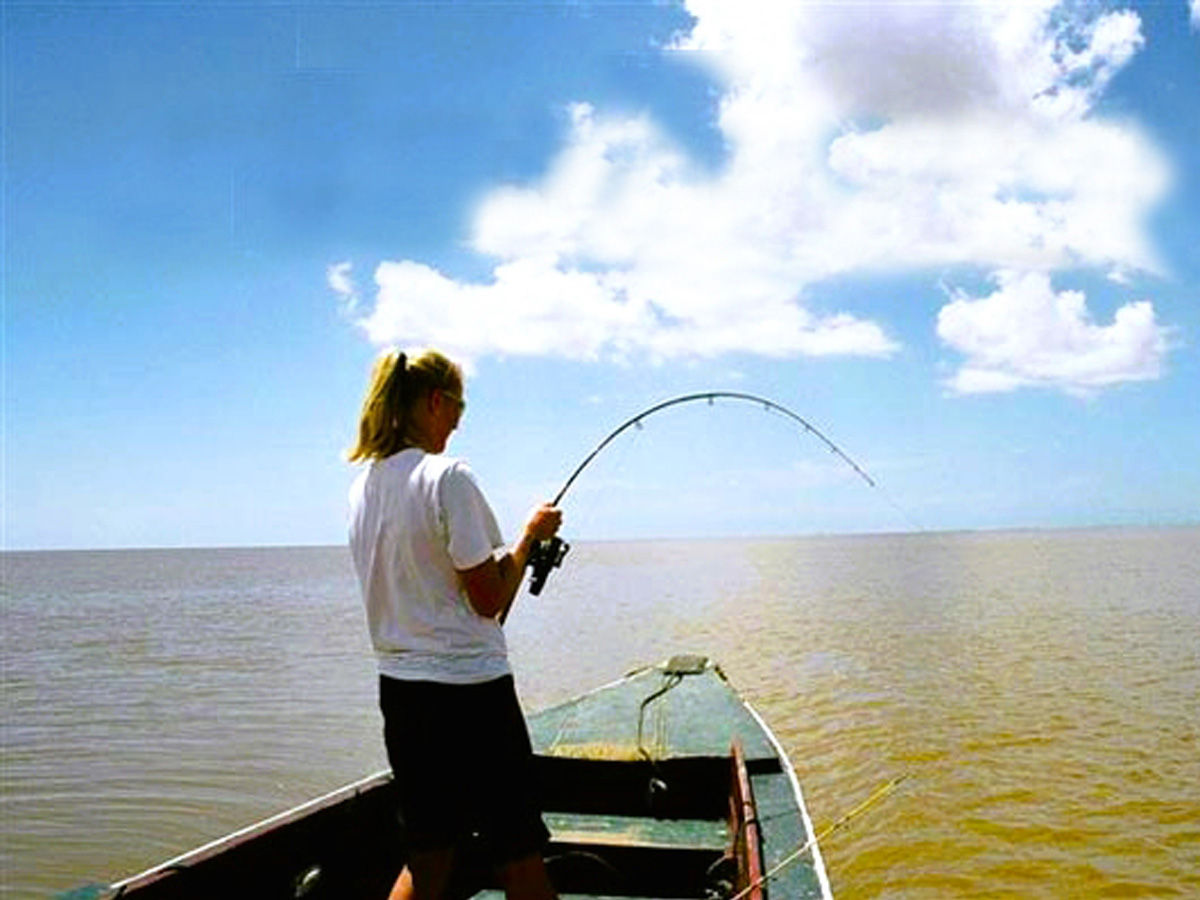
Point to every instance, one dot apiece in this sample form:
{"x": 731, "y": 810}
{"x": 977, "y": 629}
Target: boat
{"x": 664, "y": 783}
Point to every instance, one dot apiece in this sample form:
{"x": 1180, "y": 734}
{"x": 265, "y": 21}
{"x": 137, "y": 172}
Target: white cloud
{"x": 999, "y": 193}
{"x": 1027, "y": 335}
{"x": 1195, "y": 13}
{"x": 619, "y": 250}
{"x": 340, "y": 281}
{"x": 862, "y": 136}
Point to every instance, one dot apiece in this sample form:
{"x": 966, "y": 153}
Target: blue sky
{"x": 961, "y": 239}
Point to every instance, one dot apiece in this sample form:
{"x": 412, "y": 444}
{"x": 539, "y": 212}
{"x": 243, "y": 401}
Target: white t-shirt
{"x": 416, "y": 518}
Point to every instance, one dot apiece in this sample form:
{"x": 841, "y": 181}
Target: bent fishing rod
{"x": 549, "y": 554}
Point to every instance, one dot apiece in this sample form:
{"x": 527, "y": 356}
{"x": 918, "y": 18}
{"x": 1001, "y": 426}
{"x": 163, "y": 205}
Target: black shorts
{"x": 463, "y": 767}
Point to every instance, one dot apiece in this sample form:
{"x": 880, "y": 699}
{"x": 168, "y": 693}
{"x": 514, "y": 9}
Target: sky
{"x": 961, "y": 239}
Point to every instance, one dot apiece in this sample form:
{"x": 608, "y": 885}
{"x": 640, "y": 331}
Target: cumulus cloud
{"x": 862, "y": 137}
{"x": 1025, "y": 334}
{"x": 618, "y": 250}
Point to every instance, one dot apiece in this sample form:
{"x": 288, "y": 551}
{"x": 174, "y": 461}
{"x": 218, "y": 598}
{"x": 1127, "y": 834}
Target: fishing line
{"x": 878, "y": 794}
{"x": 549, "y": 554}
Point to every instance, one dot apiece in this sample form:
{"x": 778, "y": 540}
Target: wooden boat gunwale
{"x": 346, "y": 793}
{"x": 798, "y": 795}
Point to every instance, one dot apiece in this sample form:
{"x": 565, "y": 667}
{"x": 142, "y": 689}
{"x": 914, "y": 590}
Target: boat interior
{"x": 674, "y": 828}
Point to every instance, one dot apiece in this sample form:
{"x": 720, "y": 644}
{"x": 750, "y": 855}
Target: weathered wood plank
{"x": 704, "y": 834}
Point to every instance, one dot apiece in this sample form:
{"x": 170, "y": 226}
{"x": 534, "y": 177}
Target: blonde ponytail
{"x": 395, "y": 385}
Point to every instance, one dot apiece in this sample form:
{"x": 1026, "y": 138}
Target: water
{"x": 1042, "y": 690}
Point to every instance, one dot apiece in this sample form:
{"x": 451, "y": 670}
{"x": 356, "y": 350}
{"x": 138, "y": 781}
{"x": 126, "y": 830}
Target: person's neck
{"x": 419, "y": 442}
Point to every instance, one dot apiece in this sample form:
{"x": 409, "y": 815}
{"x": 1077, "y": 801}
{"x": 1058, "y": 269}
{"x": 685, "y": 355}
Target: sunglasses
{"x": 462, "y": 404}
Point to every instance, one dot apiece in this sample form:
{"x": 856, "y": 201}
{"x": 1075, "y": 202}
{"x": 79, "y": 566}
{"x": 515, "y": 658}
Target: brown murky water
{"x": 1041, "y": 691}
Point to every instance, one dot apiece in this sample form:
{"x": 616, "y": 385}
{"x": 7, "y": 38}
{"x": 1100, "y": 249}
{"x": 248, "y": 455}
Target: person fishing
{"x": 436, "y": 580}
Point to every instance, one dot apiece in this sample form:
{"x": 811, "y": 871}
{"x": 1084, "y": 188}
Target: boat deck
{"x": 637, "y": 779}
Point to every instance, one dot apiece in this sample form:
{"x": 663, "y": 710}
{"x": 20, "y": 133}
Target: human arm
{"x": 492, "y": 585}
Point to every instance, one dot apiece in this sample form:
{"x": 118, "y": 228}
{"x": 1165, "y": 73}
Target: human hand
{"x": 544, "y": 522}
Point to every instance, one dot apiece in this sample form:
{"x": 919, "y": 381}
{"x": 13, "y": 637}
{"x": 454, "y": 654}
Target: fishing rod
{"x": 549, "y": 554}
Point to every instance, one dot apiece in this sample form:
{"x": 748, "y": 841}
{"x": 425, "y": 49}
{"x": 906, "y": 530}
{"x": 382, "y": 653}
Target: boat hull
{"x": 664, "y": 783}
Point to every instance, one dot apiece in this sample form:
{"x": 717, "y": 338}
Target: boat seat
{"x": 636, "y": 831}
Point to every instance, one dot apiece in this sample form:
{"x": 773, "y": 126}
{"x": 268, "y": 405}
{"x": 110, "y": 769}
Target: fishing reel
{"x": 544, "y": 556}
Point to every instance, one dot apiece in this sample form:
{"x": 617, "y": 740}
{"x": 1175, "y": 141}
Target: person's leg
{"x": 425, "y": 877}
{"x": 425, "y": 777}
{"x": 526, "y": 879}
{"x": 510, "y": 815}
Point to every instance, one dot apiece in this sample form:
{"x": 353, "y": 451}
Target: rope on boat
{"x": 671, "y": 682}
{"x": 877, "y": 795}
